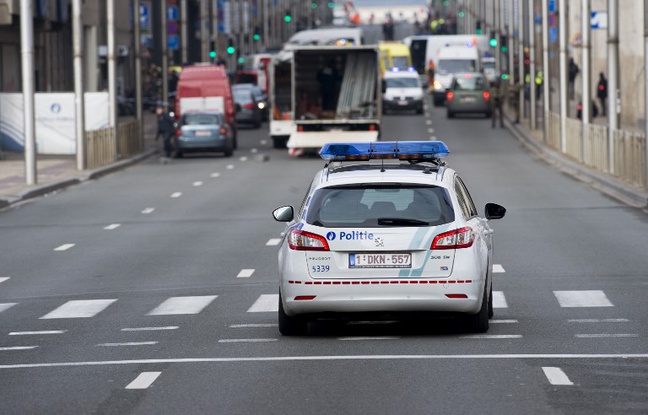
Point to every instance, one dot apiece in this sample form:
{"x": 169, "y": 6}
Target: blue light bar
{"x": 400, "y": 150}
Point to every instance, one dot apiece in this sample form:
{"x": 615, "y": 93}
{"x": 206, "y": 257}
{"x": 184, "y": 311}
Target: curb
{"x": 83, "y": 177}
{"x": 608, "y": 185}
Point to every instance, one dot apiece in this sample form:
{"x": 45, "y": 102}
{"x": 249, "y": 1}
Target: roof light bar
{"x": 400, "y": 150}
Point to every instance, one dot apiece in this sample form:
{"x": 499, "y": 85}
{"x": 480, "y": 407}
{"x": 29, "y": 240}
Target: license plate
{"x": 380, "y": 260}
{"x": 469, "y": 99}
{"x": 402, "y": 102}
{"x": 203, "y": 133}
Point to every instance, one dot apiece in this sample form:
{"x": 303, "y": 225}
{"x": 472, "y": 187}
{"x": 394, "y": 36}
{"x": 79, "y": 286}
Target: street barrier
{"x": 100, "y": 148}
{"x": 128, "y": 135}
{"x": 574, "y": 139}
{"x": 630, "y": 156}
{"x": 596, "y": 148}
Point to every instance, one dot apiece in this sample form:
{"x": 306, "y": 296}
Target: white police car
{"x": 403, "y": 91}
{"x": 386, "y": 228}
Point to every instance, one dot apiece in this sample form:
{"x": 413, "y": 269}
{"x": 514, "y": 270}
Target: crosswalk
{"x": 268, "y": 303}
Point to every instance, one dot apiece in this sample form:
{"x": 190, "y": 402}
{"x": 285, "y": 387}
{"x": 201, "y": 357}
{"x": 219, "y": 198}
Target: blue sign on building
{"x": 173, "y": 42}
{"x": 145, "y": 17}
{"x": 172, "y": 13}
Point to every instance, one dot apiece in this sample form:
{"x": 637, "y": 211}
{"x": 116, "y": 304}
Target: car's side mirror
{"x": 284, "y": 213}
{"x": 495, "y": 211}
{"x": 238, "y": 107}
{"x": 383, "y": 86}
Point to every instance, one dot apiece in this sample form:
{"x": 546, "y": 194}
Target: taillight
{"x": 372, "y": 127}
{"x": 249, "y": 106}
{"x": 223, "y": 131}
{"x": 305, "y": 241}
{"x": 486, "y": 96}
{"x": 178, "y": 132}
{"x": 449, "y": 96}
{"x": 454, "y": 239}
{"x": 300, "y": 128}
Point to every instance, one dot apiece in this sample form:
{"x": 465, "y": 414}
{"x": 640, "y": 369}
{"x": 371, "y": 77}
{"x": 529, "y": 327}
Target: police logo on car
{"x": 331, "y": 236}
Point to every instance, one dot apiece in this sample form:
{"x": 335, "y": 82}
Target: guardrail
{"x": 100, "y": 148}
{"x": 593, "y": 150}
{"x": 128, "y": 137}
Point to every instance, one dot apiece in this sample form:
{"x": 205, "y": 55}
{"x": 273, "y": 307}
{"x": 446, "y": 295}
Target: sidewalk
{"x": 58, "y": 172}
{"x": 611, "y": 186}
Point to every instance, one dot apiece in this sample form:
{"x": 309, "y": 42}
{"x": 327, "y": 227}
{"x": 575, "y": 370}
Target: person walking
{"x": 602, "y": 92}
{"x": 573, "y": 72}
{"x": 430, "y": 74}
{"x": 166, "y": 128}
{"x": 496, "y": 98}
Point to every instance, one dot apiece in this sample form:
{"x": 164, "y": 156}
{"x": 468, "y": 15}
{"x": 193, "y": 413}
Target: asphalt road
{"x": 154, "y": 291}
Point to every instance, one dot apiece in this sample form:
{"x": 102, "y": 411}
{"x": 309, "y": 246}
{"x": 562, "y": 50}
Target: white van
{"x": 451, "y": 60}
{"x": 403, "y": 91}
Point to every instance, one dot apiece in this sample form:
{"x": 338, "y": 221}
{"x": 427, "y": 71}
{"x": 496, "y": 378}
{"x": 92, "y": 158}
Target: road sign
{"x": 173, "y": 42}
{"x": 172, "y": 13}
{"x": 552, "y": 6}
{"x": 599, "y": 19}
{"x": 145, "y": 17}
{"x": 553, "y": 34}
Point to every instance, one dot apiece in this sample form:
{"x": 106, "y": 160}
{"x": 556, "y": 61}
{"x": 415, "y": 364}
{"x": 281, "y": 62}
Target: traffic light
{"x": 479, "y": 27}
{"x": 287, "y": 17}
{"x": 493, "y": 40}
{"x": 504, "y": 43}
{"x": 256, "y": 36}
{"x": 313, "y": 5}
{"x": 230, "y": 47}
{"x": 331, "y": 4}
{"x": 212, "y": 50}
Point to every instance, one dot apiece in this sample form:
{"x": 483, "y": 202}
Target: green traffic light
{"x": 462, "y": 14}
{"x": 313, "y": 6}
{"x": 493, "y": 42}
{"x": 256, "y": 36}
{"x": 231, "y": 50}
{"x": 331, "y": 4}
{"x": 504, "y": 49}
{"x": 212, "y": 54}
{"x": 287, "y": 18}
{"x": 479, "y": 31}
{"x": 241, "y": 60}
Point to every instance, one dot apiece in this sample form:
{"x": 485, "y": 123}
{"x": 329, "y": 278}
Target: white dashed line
{"x": 498, "y": 269}
{"x": 492, "y": 336}
{"x": 29, "y": 333}
{"x": 266, "y": 303}
{"x": 245, "y": 273}
{"x": 148, "y": 211}
{"x": 271, "y": 242}
{"x": 264, "y": 142}
{"x": 254, "y": 151}
{"x": 499, "y": 301}
{"x": 3, "y": 279}
{"x": 112, "y": 227}
{"x": 6, "y": 306}
{"x": 246, "y": 340}
{"x": 79, "y": 309}
{"x": 556, "y": 376}
{"x": 176, "y": 195}
{"x": 605, "y": 336}
{"x": 182, "y": 305}
{"x": 244, "y": 158}
{"x": 431, "y": 130}
{"x": 594, "y": 298}
{"x": 64, "y": 247}
{"x": 230, "y": 166}
{"x": 503, "y": 321}
{"x": 428, "y": 122}
{"x": 144, "y": 380}
{"x": 8, "y": 349}
{"x": 252, "y": 326}
{"x": 597, "y": 320}
{"x": 197, "y": 184}
{"x": 215, "y": 175}
{"x": 127, "y": 344}
{"x": 149, "y": 328}
{"x": 357, "y": 338}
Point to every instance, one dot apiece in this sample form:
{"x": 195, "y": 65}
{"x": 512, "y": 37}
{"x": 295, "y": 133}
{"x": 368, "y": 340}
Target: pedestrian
{"x": 573, "y": 72}
{"x": 430, "y": 73}
{"x": 513, "y": 91}
{"x": 602, "y": 92}
{"x": 166, "y": 129}
{"x": 327, "y": 78}
{"x": 496, "y": 98}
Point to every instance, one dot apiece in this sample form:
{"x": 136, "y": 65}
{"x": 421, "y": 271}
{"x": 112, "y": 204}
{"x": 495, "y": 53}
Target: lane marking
{"x": 593, "y": 298}
{"x": 150, "y": 328}
{"x": 597, "y": 320}
{"x": 176, "y": 195}
{"x": 254, "y": 151}
{"x": 247, "y": 340}
{"x": 271, "y": 242}
{"x": 499, "y": 301}
{"x": 498, "y": 269}
{"x": 3, "y": 279}
{"x": 28, "y": 333}
{"x": 112, "y": 227}
{"x": 148, "y": 211}
{"x": 230, "y": 166}
{"x": 144, "y": 380}
{"x": 79, "y": 309}
{"x": 182, "y": 305}
{"x": 428, "y": 122}
{"x": 556, "y": 376}
{"x": 566, "y": 356}
{"x": 64, "y": 247}
{"x": 359, "y": 338}
{"x": 244, "y": 158}
{"x": 431, "y": 130}
{"x": 266, "y": 303}
{"x": 197, "y": 184}
{"x": 264, "y": 142}
{"x": 605, "y": 336}
{"x": 215, "y": 175}
{"x": 503, "y": 321}
{"x": 6, "y": 306}
{"x": 245, "y": 273}
{"x": 492, "y": 336}
{"x": 8, "y": 349}
{"x": 245, "y": 326}
{"x": 127, "y": 344}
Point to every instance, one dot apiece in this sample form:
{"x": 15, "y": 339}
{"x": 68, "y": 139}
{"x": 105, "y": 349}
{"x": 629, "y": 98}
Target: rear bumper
{"x": 399, "y": 105}
{"x": 216, "y": 144}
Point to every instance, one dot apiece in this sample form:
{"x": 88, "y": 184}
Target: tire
{"x": 491, "y": 311}
{"x": 290, "y": 326}
{"x": 178, "y": 154}
{"x": 419, "y": 110}
{"x": 438, "y": 102}
{"x": 478, "y": 323}
{"x": 279, "y": 142}
{"x": 451, "y": 114}
{"x": 488, "y": 114}
{"x": 228, "y": 152}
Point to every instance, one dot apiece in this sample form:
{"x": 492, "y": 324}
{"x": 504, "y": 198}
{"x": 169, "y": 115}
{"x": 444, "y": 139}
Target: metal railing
{"x": 100, "y": 148}
{"x": 128, "y": 136}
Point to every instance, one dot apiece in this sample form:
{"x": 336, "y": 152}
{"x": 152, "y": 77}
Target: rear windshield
{"x": 201, "y": 119}
{"x": 402, "y": 83}
{"x": 373, "y": 205}
{"x": 456, "y": 65}
{"x": 242, "y": 95}
{"x": 469, "y": 83}
{"x": 400, "y": 62}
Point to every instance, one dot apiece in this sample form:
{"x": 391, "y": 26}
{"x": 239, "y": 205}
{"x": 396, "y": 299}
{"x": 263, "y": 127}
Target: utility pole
{"x": 183, "y": 32}
{"x": 138, "y": 72}
{"x": 112, "y": 73}
{"x": 564, "y": 85}
{"x": 79, "y": 102}
{"x": 204, "y": 33}
{"x": 586, "y": 101}
{"x": 27, "y": 58}
{"x": 545, "y": 69}
{"x": 165, "y": 54}
{"x": 532, "y": 69}
{"x": 645, "y": 12}
{"x": 511, "y": 43}
{"x": 521, "y": 55}
{"x": 614, "y": 98}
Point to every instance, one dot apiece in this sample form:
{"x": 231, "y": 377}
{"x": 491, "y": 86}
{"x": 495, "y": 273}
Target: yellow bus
{"x": 394, "y": 55}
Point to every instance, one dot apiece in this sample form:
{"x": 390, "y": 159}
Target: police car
{"x": 386, "y": 228}
{"x": 403, "y": 91}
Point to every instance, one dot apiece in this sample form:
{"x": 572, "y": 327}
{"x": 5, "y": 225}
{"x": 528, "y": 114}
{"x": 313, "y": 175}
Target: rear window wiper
{"x": 401, "y": 222}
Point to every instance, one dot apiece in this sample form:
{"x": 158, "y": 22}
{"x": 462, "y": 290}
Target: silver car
{"x": 468, "y": 94}
{"x": 204, "y": 131}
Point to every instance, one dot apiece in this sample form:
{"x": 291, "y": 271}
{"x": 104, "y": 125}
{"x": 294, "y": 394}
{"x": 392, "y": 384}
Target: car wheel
{"x": 178, "y": 154}
{"x": 451, "y": 114}
{"x": 279, "y": 142}
{"x": 228, "y": 152}
{"x": 437, "y": 102}
{"x": 290, "y": 326}
{"x": 478, "y": 323}
{"x": 488, "y": 114}
{"x": 419, "y": 110}
{"x": 491, "y": 311}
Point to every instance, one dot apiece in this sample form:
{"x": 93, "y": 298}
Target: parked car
{"x": 247, "y": 106}
{"x": 204, "y": 131}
